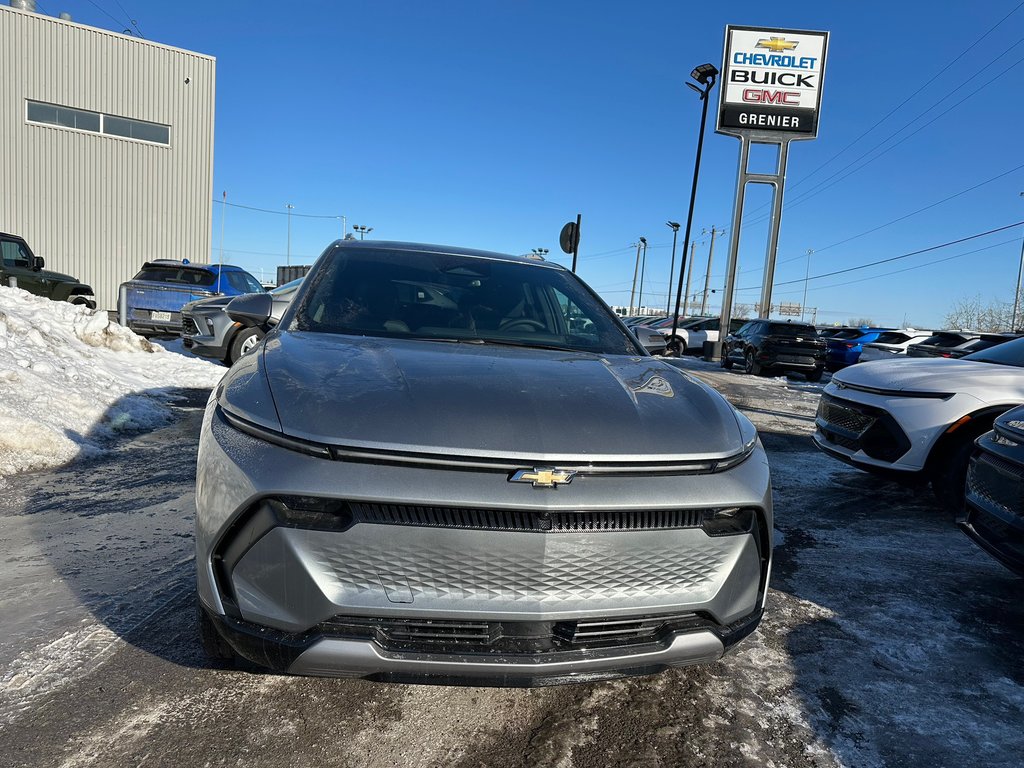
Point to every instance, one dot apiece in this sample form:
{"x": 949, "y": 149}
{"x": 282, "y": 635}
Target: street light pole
{"x": 362, "y": 230}
{"x": 689, "y": 279}
{"x": 344, "y": 223}
{"x": 542, "y": 252}
{"x": 674, "y": 226}
{"x": 289, "y": 206}
{"x": 807, "y": 275}
{"x": 705, "y": 75}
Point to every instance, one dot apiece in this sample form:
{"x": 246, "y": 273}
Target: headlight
{"x": 728, "y": 522}
{"x": 748, "y": 433}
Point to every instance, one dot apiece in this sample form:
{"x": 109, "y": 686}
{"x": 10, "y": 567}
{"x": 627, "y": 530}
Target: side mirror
{"x": 251, "y": 309}
{"x": 37, "y": 263}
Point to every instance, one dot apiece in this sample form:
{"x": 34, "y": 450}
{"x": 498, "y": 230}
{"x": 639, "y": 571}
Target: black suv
{"x": 18, "y": 261}
{"x": 763, "y": 345}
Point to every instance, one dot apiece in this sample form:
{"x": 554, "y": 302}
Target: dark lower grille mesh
{"x": 999, "y": 482}
{"x": 844, "y": 418}
{"x": 189, "y": 327}
{"x": 512, "y": 637}
{"x": 519, "y": 520}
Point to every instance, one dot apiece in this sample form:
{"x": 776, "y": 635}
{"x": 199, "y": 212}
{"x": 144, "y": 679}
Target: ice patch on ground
{"x": 71, "y": 380}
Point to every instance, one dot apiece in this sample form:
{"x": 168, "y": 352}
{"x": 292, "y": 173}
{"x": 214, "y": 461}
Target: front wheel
{"x": 726, "y": 360}
{"x": 949, "y": 475}
{"x": 244, "y": 340}
{"x": 214, "y": 646}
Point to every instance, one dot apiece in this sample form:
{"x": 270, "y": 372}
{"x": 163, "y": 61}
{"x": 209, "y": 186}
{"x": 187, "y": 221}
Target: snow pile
{"x": 70, "y": 380}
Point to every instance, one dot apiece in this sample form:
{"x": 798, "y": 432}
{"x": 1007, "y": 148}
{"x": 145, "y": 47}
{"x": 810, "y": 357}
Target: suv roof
{"x": 397, "y": 245}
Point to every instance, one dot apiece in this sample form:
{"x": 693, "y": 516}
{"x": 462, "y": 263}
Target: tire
{"x": 244, "y": 340}
{"x": 675, "y": 346}
{"x": 726, "y": 360}
{"x": 214, "y": 646}
{"x": 750, "y": 365}
{"x": 815, "y": 375}
{"x": 949, "y": 474}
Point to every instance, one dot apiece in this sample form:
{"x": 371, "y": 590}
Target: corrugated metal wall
{"x": 98, "y": 206}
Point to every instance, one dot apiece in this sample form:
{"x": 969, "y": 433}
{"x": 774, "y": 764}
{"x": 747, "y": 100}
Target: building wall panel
{"x": 98, "y": 206}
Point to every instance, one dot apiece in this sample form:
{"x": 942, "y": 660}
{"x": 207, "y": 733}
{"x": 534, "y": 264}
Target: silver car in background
{"x": 208, "y": 331}
{"x": 455, "y": 465}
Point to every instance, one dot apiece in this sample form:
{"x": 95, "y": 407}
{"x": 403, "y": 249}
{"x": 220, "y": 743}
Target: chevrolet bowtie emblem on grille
{"x": 544, "y": 478}
{"x": 777, "y": 44}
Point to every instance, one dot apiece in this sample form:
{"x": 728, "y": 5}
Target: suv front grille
{"x": 527, "y": 520}
{"x": 188, "y": 326}
{"x": 844, "y": 418}
{"x": 998, "y": 482}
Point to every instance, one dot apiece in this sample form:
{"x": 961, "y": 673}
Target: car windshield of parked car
{"x": 789, "y": 329}
{"x": 1008, "y": 353}
{"x": 891, "y": 337}
{"x": 455, "y": 297}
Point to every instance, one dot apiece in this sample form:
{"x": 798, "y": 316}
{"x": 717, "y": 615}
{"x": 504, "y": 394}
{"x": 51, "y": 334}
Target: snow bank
{"x": 70, "y": 380}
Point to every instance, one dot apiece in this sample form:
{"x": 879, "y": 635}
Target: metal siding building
{"x": 95, "y": 205}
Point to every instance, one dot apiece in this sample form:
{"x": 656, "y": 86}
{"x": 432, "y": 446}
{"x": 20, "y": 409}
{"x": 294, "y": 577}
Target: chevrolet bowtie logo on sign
{"x": 544, "y": 478}
{"x": 777, "y": 44}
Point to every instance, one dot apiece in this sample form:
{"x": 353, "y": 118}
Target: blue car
{"x": 154, "y": 297}
{"x": 844, "y": 347}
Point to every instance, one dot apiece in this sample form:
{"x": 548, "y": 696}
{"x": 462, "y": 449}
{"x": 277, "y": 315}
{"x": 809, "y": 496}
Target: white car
{"x": 892, "y": 343}
{"x": 694, "y": 331}
{"x": 919, "y": 417}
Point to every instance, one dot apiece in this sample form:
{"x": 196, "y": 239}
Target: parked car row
{"x": 945, "y": 421}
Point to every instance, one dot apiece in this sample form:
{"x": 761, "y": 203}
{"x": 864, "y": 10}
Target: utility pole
{"x": 223, "y": 212}
{"x": 643, "y": 271}
{"x": 807, "y": 274}
{"x": 707, "y": 277}
{"x": 689, "y": 280}
{"x": 1016, "y": 297}
{"x": 636, "y": 274}
{"x": 289, "y": 206}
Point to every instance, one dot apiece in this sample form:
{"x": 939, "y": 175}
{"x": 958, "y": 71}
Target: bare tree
{"x": 742, "y": 311}
{"x": 971, "y": 312}
{"x": 858, "y": 321}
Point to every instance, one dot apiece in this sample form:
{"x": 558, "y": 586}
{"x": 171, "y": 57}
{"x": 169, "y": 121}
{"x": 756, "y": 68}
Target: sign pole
{"x": 576, "y": 242}
{"x": 773, "y": 232}
{"x": 734, "y": 240}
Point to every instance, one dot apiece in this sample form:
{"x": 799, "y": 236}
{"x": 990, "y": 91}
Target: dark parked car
{"x": 843, "y": 348}
{"x": 208, "y": 331}
{"x": 994, "y": 514}
{"x": 26, "y": 268}
{"x": 156, "y": 295}
{"x": 761, "y": 346}
{"x": 985, "y": 341}
{"x": 448, "y": 464}
{"x": 943, "y": 344}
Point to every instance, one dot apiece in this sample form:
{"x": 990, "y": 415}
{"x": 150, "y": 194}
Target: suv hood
{"x": 57, "y": 276}
{"x": 213, "y": 303}
{"x": 493, "y": 401}
{"x": 933, "y": 374}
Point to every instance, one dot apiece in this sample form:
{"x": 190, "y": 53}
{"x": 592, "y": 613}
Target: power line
{"x": 128, "y": 16}
{"x": 899, "y": 106}
{"x": 895, "y": 258}
{"x": 823, "y": 185}
{"x": 898, "y": 219}
{"x": 276, "y": 213}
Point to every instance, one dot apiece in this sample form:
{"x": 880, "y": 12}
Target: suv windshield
{"x": 891, "y": 337}
{"x": 1007, "y": 353}
{"x": 455, "y": 297}
{"x": 849, "y": 333}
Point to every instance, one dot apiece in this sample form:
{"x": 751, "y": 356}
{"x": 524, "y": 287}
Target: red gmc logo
{"x": 760, "y": 96}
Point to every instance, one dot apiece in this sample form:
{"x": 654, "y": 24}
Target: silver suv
{"x": 426, "y": 472}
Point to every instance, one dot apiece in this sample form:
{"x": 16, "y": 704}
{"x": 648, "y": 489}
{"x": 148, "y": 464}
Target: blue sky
{"x": 491, "y": 124}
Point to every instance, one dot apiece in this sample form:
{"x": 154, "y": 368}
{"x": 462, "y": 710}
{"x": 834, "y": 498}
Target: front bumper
{"x": 994, "y": 513}
{"x": 301, "y": 591}
{"x": 206, "y": 334}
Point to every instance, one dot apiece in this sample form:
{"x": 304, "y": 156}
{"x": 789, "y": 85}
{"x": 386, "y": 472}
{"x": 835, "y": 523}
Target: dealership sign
{"x": 771, "y": 81}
